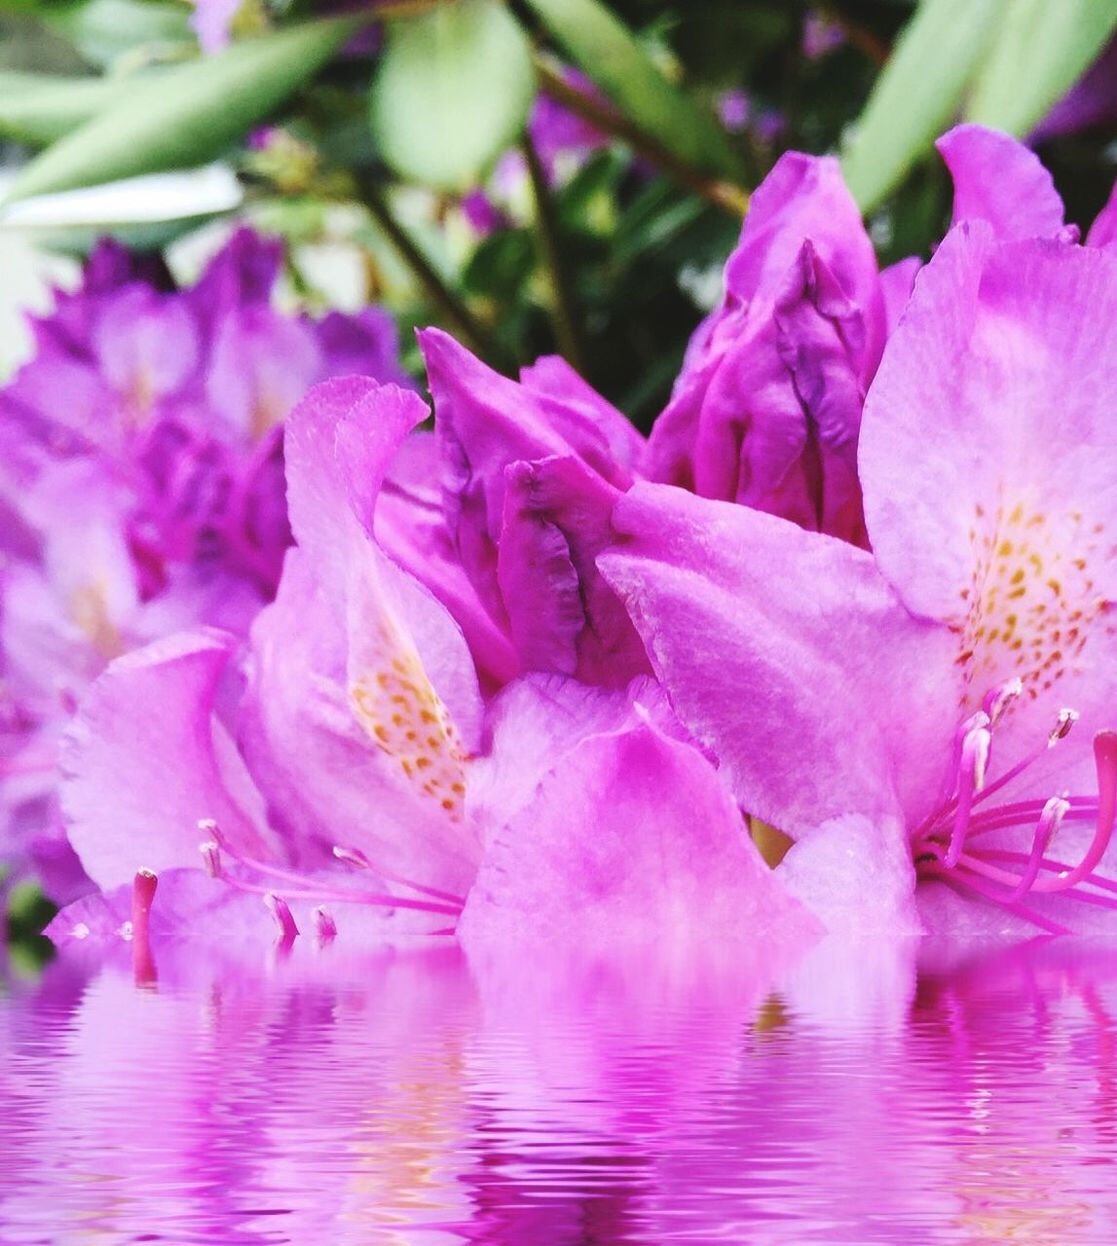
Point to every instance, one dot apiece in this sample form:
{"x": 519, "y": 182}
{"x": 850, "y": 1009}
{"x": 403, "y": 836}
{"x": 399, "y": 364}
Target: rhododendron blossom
{"x": 509, "y": 687}
{"x": 940, "y": 708}
{"x": 355, "y": 775}
{"x": 142, "y": 487}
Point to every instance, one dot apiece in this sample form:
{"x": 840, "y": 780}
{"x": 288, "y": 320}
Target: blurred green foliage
{"x": 406, "y": 145}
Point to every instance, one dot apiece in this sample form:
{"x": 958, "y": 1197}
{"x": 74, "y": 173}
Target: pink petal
{"x": 145, "y": 760}
{"x": 787, "y": 655}
{"x": 1000, "y": 181}
{"x": 631, "y": 839}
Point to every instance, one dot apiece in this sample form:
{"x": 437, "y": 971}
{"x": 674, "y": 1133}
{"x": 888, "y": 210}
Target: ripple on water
{"x": 953, "y": 1097}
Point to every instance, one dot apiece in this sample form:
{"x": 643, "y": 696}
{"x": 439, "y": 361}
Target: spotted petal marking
{"x": 406, "y": 719}
{"x": 1034, "y": 597}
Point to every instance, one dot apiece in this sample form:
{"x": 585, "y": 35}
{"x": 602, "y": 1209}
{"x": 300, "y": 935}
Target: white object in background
{"x": 27, "y": 277}
{"x": 142, "y": 210}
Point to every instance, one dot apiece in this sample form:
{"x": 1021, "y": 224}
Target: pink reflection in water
{"x": 858, "y": 1095}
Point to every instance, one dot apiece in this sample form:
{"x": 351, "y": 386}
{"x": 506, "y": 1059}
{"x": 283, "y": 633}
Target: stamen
{"x": 1063, "y": 723}
{"x": 971, "y": 779}
{"x": 997, "y": 700}
{"x": 325, "y": 928}
{"x": 279, "y": 909}
{"x": 958, "y": 881}
{"x": 357, "y": 859}
{"x": 1105, "y": 759}
{"x": 143, "y": 896}
{"x": 1053, "y": 813}
{"x": 211, "y": 858}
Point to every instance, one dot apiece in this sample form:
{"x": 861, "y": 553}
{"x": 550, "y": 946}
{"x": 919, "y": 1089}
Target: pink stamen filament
{"x": 452, "y": 907}
{"x": 357, "y": 859}
{"x": 343, "y": 897}
{"x": 953, "y": 861}
{"x": 957, "y": 880}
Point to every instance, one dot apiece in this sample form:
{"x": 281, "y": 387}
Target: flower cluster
{"x": 142, "y": 488}
{"x": 529, "y": 676}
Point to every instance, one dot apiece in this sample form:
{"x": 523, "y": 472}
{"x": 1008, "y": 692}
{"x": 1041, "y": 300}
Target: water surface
{"x": 858, "y": 1096}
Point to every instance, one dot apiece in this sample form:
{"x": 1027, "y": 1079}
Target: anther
{"x": 353, "y": 857}
{"x": 974, "y": 761}
{"x": 325, "y": 928}
{"x": 1105, "y": 759}
{"x": 280, "y": 910}
{"x": 1049, "y": 821}
{"x": 997, "y": 700}
{"x": 975, "y": 755}
{"x": 211, "y": 830}
{"x": 1062, "y": 728}
{"x": 211, "y": 857}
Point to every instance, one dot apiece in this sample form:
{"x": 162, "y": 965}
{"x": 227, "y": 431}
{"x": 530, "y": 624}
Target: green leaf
{"x": 452, "y": 92}
{"x": 918, "y": 93}
{"x": 187, "y": 115}
{"x": 1041, "y": 48}
{"x": 105, "y": 30}
{"x": 613, "y": 57}
{"x": 37, "y": 109}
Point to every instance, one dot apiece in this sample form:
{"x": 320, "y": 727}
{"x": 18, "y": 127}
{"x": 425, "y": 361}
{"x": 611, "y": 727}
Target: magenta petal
{"x": 804, "y": 198}
{"x": 412, "y": 530}
{"x": 833, "y": 869}
{"x": 1103, "y": 232}
{"x": 987, "y": 454}
{"x": 562, "y": 616}
{"x": 484, "y": 422}
{"x": 1000, "y": 181}
{"x": 325, "y": 494}
{"x": 145, "y": 760}
{"x": 897, "y": 282}
{"x": 147, "y": 345}
{"x": 261, "y": 364}
{"x": 560, "y": 390}
{"x": 787, "y": 655}
{"x": 631, "y": 838}
{"x": 535, "y": 722}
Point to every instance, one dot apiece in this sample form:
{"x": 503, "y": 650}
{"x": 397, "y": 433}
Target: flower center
{"x": 952, "y": 844}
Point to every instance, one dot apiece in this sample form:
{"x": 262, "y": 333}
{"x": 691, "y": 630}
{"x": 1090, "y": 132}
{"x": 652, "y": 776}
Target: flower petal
{"x": 786, "y": 654}
{"x": 632, "y": 838}
{"x": 987, "y": 461}
{"x": 145, "y": 760}
{"x": 1000, "y": 181}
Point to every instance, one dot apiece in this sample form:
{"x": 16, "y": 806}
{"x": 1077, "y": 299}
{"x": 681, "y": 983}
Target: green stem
{"x": 724, "y": 194}
{"x": 467, "y": 326}
{"x": 563, "y": 314}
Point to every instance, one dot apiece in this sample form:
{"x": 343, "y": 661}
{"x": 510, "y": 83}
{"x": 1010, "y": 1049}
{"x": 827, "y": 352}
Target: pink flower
{"x": 347, "y": 771}
{"x": 901, "y": 713}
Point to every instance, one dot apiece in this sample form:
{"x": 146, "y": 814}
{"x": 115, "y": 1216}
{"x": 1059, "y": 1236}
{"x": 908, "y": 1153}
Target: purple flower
{"x": 903, "y": 712}
{"x": 346, "y": 769}
{"x": 561, "y": 137}
{"x": 767, "y": 409}
{"x": 212, "y": 21}
{"x": 1092, "y": 101}
{"x": 142, "y": 486}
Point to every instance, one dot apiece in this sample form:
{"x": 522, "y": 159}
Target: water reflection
{"x": 912, "y": 1094}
